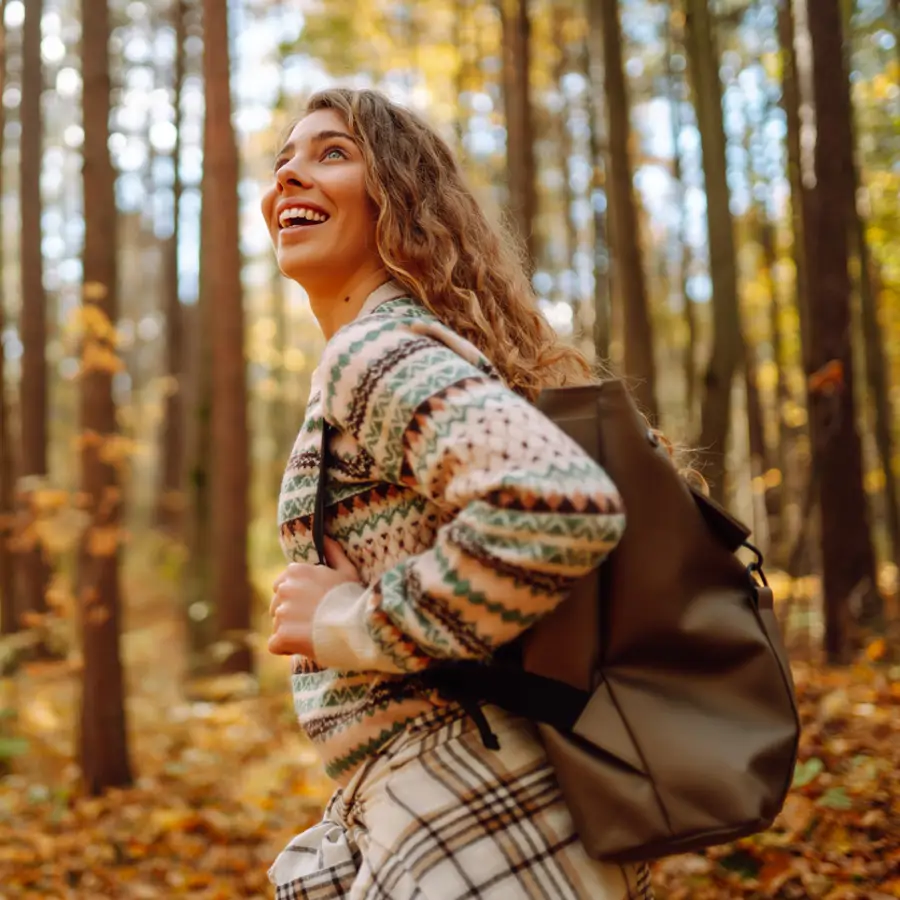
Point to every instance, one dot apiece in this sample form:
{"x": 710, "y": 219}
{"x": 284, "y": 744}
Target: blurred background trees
{"x": 708, "y": 196}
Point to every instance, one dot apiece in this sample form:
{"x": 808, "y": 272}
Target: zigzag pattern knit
{"x": 467, "y": 514}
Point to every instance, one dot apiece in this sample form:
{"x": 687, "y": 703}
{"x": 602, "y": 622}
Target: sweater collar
{"x": 390, "y": 290}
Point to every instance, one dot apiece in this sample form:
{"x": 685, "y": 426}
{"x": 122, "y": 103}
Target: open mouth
{"x": 300, "y": 217}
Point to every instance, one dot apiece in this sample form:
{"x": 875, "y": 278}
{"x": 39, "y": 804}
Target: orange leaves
{"x": 829, "y": 379}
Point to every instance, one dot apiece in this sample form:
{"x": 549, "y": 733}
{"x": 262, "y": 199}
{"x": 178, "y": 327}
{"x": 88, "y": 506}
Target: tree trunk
{"x": 33, "y": 406}
{"x": 563, "y": 143}
{"x": 593, "y": 52}
{"x": 104, "y": 747}
{"x": 9, "y": 621}
{"x": 519, "y": 127}
{"x": 784, "y": 439}
{"x": 805, "y": 547}
{"x": 725, "y": 357}
{"x": 689, "y": 359}
{"x": 171, "y": 490}
{"x": 878, "y": 378}
{"x": 876, "y": 371}
{"x": 230, "y": 461}
{"x": 848, "y": 566}
{"x": 640, "y": 366}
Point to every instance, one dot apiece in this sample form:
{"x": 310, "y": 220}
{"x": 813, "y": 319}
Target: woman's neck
{"x": 336, "y": 307}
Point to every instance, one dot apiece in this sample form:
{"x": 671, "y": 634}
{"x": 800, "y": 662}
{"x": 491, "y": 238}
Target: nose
{"x": 290, "y": 175}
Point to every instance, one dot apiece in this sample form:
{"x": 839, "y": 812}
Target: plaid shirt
{"x": 436, "y": 816}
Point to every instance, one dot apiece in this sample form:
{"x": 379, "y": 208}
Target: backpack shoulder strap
{"x": 318, "y": 523}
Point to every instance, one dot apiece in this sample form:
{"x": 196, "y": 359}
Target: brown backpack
{"x": 661, "y": 688}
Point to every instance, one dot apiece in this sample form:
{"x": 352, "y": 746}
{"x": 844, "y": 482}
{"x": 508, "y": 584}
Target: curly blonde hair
{"x": 435, "y": 239}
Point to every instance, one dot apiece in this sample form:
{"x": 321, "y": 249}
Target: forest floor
{"x": 222, "y": 785}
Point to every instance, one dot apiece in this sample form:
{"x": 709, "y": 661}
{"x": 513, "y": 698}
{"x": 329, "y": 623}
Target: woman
{"x": 457, "y": 516}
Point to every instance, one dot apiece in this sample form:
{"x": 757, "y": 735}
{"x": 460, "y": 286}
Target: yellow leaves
{"x": 96, "y": 357}
{"x": 769, "y": 480}
{"x": 94, "y": 291}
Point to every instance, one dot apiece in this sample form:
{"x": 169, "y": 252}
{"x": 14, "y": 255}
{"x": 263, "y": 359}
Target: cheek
{"x": 267, "y": 204}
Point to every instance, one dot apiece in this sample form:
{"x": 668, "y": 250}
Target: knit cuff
{"x": 340, "y": 637}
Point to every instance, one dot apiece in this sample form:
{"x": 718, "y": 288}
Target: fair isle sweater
{"x": 467, "y": 514}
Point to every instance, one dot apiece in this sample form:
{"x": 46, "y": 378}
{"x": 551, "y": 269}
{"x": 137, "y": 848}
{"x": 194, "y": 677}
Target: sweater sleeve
{"x": 531, "y": 512}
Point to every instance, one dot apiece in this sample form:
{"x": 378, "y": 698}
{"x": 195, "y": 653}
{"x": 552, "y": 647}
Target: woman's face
{"x": 320, "y": 217}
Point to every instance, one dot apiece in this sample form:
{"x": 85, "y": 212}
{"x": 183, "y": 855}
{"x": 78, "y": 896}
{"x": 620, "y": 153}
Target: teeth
{"x": 300, "y": 212}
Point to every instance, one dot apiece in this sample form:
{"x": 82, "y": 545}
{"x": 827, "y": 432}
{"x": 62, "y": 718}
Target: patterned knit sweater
{"x": 467, "y": 514}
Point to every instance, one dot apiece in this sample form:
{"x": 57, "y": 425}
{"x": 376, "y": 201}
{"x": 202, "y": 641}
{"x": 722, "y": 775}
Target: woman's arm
{"x": 534, "y": 512}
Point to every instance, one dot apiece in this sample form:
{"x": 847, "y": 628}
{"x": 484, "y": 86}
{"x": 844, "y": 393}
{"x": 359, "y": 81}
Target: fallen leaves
{"x": 226, "y": 779}
{"x": 838, "y": 836}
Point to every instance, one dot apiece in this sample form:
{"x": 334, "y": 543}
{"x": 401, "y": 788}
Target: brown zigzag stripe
{"x": 374, "y": 374}
{"x": 300, "y": 525}
{"x": 381, "y": 492}
{"x": 306, "y": 459}
{"x": 503, "y": 498}
{"x": 461, "y": 537}
{"x": 448, "y": 619}
{"x": 361, "y": 465}
{"x": 381, "y": 695}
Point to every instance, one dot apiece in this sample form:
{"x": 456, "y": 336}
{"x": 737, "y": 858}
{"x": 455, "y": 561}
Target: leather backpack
{"x": 660, "y": 686}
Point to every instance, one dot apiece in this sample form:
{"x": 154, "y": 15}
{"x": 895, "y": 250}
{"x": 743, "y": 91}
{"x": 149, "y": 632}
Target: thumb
{"x": 337, "y": 559}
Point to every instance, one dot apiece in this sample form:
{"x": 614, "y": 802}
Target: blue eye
{"x": 341, "y": 154}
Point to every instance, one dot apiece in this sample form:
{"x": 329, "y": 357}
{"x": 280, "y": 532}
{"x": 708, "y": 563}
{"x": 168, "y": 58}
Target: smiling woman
{"x": 322, "y": 220}
{"x": 434, "y": 467}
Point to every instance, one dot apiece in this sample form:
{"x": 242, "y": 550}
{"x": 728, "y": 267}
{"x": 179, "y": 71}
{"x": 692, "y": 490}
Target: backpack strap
{"x": 513, "y": 689}
{"x": 318, "y": 522}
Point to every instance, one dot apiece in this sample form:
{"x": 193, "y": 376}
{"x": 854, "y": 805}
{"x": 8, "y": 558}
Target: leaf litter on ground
{"x": 221, "y": 786}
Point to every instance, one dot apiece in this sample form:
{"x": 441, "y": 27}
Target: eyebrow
{"x": 317, "y": 138}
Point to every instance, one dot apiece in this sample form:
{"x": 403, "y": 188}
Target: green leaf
{"x": 835, "y": 798}
{"x": 12, "y": 747}
{"x": 807, "y": 772}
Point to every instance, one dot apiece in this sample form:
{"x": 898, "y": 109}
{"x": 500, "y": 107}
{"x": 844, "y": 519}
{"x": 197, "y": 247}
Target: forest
{"x": 708, "y": 194}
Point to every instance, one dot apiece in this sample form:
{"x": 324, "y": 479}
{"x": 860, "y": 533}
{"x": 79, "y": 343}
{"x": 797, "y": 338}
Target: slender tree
{"x": 33, "y": 405}
{"x": 593, "y": 70}
{"x": 727, "y": 351}
{"x": 221, "y": 268}
{"x": 169, "y": 505}
{"x": 675, "y": 87}
{"x": 631, "y": 289}
{"x": 848, "y": 566}
{"x": 519, "y": 120}
{"x": 104, "y": 747}
{"x": 8, "y": 619}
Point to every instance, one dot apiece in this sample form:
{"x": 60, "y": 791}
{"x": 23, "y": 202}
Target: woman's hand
{"x": 298, "y": 590}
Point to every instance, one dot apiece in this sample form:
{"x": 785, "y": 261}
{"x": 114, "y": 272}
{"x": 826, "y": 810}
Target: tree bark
{"x": 876, "y": 371}
{"x": 222, "y": 266}
{"x": 593, "y": 52}
{"x": 640, "y": 366}
{"x": 33, "y": 406}
{"x": 104, "y": 748}
{"x": 689, "y": 359}
{"x": 848, "y": 566}
{"x": 9, "y": 622}
{"x": 519, "y": 124}
{"x": 170, "y": 502}
{"x": 564, "y": 150}
{"x": 725, "y": 357}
